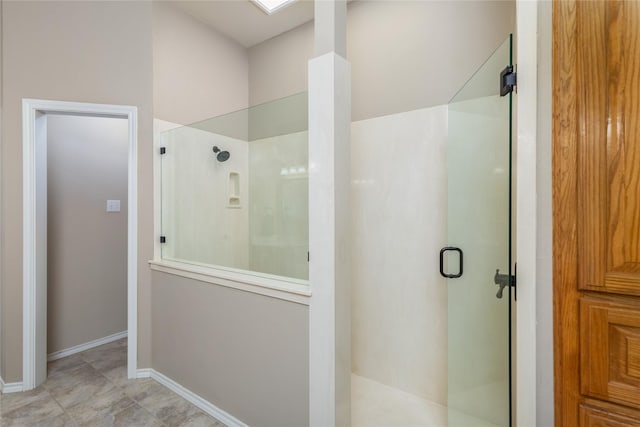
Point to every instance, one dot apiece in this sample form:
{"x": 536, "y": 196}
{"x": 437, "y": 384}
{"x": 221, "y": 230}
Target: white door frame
{"x": 526, "y": 211}
{"x": 34, "y": 267}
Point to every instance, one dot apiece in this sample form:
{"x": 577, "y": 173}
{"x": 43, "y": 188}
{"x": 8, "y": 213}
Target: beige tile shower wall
{"x": 200, "y": 222}
{"x": 404, "y": 55}
{"x": 97, "y": 52}
{"x": 399, "y": 202}
{"x": 247, "y": 354}
{"x": 87, "y": 246}
{"x": 197, "y": 72}
{"x": 279, "y": 211}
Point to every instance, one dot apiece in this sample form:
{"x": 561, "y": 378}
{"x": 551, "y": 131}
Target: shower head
{"x": 222, "y": 156}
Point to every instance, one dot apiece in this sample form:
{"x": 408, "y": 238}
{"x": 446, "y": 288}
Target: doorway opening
{"x": 35, "y": 245}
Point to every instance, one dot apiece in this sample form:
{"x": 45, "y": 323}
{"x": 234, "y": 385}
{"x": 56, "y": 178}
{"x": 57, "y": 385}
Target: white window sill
{"x": 293, "y": 290}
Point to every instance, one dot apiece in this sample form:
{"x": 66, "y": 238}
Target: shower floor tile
{"x": 377, "y": 405}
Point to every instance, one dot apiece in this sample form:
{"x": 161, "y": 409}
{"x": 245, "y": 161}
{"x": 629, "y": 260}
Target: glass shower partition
{"x": 235, "y": 191}
{"x": 478, "y": 259}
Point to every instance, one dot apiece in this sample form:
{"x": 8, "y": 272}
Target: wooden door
{"x": 596, "y": 212}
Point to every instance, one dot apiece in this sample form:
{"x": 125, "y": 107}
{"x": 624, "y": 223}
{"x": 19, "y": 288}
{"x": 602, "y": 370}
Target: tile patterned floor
{"x": 91, "y": 389}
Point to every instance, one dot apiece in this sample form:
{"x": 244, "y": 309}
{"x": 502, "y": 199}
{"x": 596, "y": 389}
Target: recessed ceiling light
{"x": 271, "y": 6}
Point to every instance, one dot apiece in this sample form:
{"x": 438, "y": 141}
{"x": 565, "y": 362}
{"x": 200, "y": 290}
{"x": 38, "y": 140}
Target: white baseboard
{"x": 86, "y": 346}
{"x": 10, "y": 387}
{"x": 144, "y": 373}
{"x": 190, "y": 396}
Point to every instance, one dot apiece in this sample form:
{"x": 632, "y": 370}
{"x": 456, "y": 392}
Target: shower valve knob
{"x": 503, "y": 280}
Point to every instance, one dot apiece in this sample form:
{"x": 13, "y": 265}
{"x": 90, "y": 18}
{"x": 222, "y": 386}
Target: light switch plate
{"x": 113, "y": 205}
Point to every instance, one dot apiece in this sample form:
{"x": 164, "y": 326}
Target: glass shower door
{"x": 479, "y": 248}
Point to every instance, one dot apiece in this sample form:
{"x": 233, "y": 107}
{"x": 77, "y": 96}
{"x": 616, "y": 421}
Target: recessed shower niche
{"x": 235, "y": 190}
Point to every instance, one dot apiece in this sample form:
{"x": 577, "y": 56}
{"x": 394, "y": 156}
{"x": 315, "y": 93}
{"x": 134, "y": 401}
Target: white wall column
{"x": 526, "y": 205}
{"x": 329, "y": 213}
{"x": 330, "y": 30}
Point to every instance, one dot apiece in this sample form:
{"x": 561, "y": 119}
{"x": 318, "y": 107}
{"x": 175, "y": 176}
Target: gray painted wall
{"x": 69, "y": 51}
{"x": 246, "y": 353}
{"x": 278, "y": 66}
{"x": 87, "y": 247}
{"x": 197, "y": 72}
{"x": 404, "y": 55}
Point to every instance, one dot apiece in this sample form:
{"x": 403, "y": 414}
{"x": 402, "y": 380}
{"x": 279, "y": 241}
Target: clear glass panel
{"x": 478, "y": 155}
{"x": 235, "y": 190}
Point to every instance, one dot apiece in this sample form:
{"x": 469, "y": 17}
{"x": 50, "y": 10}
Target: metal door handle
{"x": 442, "y": 252}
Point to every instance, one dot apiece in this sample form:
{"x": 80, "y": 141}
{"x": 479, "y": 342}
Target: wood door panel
{"x": 608, "y": 186}
{"x": 623, "y": 147}
{"x": 610, "y": 350}
{"x": 596, "y": 211}
{"x": 565, "y": 208}
{"x": 599, "y": 417}
{"x": 590, "y": 72}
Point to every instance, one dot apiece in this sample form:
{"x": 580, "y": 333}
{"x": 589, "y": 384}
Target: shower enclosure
{"x": 430, "y": 239}
{"x": 235, "y": 192}
{"x": 432, "y": 273}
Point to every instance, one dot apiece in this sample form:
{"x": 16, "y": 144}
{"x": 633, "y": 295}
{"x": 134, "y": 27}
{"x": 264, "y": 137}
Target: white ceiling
{"x": 245, "y": 22}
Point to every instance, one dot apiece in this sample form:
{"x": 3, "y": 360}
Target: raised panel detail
{"x": 608, "y": 168}
{"x": 610, "y": 350}
{"x": 599, "y": 417}
{"x": 623, "y": 351}
{"x": 633, "y": 357}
